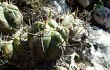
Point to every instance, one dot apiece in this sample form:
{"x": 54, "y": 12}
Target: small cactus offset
{"x": 8, "y": 49}
{"x": 15, "y": 50}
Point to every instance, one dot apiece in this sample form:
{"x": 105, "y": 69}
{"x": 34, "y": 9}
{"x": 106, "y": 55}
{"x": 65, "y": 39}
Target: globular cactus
{"x": 4, "y": 26}
{"x": 10, "y": 17}
{"x": 75, "y": 26}
{"x": 19, "y": 42}
{"x": 52, "y": 23}
{"x": 36, "y": 27}
{"x": 48, "y": 42}
{"x": 12, "y": 14}
{"x": 64, "y": 32}
{"x": 39, "y": 26}
{"x": 68, "y": 20}
{"x": 15, "y": 50}
{"x": 8, "y": 49}
{"x": 12, "y": 53}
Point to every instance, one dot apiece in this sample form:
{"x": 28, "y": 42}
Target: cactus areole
{"x": 48, "y": 41}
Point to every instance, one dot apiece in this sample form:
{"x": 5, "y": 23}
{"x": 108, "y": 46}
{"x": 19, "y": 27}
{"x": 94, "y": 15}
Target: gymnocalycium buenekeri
{"x": 48, "y": 39}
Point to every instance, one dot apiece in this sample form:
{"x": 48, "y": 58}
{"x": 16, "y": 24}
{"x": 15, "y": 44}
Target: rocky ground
{"x": 88, "y": 49}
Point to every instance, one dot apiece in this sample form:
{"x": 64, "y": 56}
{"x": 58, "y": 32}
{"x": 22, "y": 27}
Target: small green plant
{"x": 99, "y": 4}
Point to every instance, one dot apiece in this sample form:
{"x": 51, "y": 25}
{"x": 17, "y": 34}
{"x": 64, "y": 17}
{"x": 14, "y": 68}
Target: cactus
{"x": 64, "y": 32}
{"x": 68, "y": 20}
{"x": 19, "y": 39}
{"x": 52, "y": 23}
{"x": 18, "y": 46}
{"x": 13, "y": 15}
{"x": 46, "y": 44}
{"x": 46, "y": 40}
{"x": 10, "y": 17}
{"x": 4, "y": 26}
{"x": 15, "y": 50}
{"x": 8, "y": 49}
{"x": 13, "y": 53}
{"x": 36, "y": 27}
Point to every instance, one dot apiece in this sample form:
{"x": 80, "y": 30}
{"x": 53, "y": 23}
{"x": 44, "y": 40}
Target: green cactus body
{"x": 11, "y": 6}
{"x": 36, "y": 27}
{"x": 64, "y": 32}
{"x": 52, "y": 23}
{"x": 54, "y": 50}
{"x": 13, "y": 15}
{"x": 68, "y": 21}
{"x": 18, "y": 46}
{"x": 19, "y": 42}
{"x": 4, "y": 26}
{"x": 46, "y": 38}
{"x": 39, "y": 26}
{"x": 14, "y": 52}
{"x": 79, "y": 32}
{"x": 48, "y": 44}
{"x": 8, "y": 50}
{"x": 10, "y": 17}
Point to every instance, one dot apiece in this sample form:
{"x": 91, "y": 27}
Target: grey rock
{"x": 107, "y": 3}
{"x": 96, "y": 56}
{"x": 99, "y": 52}
{"x": 57, "y": 7}
{"x": 84, "y": 3}
{"x": 102, "y": 16}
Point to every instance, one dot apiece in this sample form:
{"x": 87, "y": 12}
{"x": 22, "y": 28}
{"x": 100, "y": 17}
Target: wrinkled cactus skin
{"x": 15, "y": 50}
{"x": 36, "y": 27}
{"x": 64, "y": 32}
{"x": 4, "y": 26}
{"x": 10, "y": 17}
{"x": 8, "y": 50}
{"x": 46, "y": 44}
{"x": 52, "y": 23}
{"x": 13, "y": 15}
{"x": 18, "y": 46}
{"x": 39, "y": 26}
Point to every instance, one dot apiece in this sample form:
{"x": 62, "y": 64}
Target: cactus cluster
{"x": 48, "y": 40}
{"x": 12, "y": 34}
{"x": 45, "y": 41}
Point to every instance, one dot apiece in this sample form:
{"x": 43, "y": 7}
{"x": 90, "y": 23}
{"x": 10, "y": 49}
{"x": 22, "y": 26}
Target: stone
{"x": 57, "y": 7}
{"x": 102, "y": 16}
{"x": 95, "y": 57}
{"x": 98, "y": 53}
{"x": 107, "y": 3}
{"x": 84, "y": 3}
